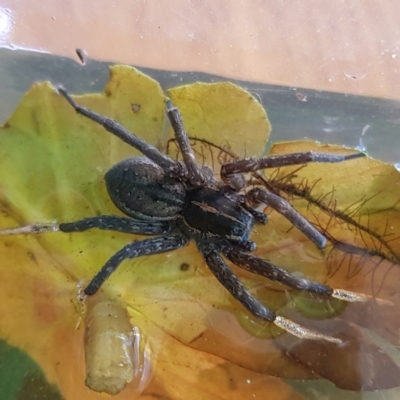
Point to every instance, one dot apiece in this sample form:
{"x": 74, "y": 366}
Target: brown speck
{"x": 184, "y": 266}
{"x": 32, "y": 256}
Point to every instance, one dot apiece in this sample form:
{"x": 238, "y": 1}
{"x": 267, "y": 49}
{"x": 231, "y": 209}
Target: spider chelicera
{"x": 177, "y": 202}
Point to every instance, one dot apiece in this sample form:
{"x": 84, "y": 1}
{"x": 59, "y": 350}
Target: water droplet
{"x": 135, "y": 107}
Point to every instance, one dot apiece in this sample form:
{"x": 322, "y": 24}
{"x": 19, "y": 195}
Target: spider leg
{"x": 283, "y": 207}
{"x": 195, "y": 175}
{"x": 252, "y": 165}
{"x": 30, "y": 229}
{"x": 231, "y": 282}
{"x": 145, "y": 247}
{"x": 265, "y": 268}
{"x": 166, "y": 163}
{"x": 259, "y": 216}
{"x": 117, "y": 223}
{"x": 104, "y": 222}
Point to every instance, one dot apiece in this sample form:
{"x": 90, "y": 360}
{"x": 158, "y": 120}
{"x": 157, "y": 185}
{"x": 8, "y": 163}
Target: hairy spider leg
{"x": 258, "y": 195}
{"x": 150, "y": 246}
{"x": 195, "y": 175}
{"x": 265, "y": 268}
{"x": 236, "y": 288}
{"x": 147, "y": 247}
{"x": 253, "y": 165}
{"x": 103, "y": 222}
{"x": 119, "y": 224}
{"x": 165, "y": 162}
{"x": 283, "y": 207}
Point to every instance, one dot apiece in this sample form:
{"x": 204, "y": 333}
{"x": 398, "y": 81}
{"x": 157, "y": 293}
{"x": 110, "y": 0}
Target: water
{"x": 369, "y": 124}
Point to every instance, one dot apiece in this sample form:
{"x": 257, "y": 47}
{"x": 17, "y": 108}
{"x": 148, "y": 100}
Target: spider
{"x": 175, "y": 202}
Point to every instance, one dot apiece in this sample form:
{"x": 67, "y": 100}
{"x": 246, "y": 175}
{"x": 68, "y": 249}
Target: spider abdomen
{"x": 209, "y": 212}
{"x": 141, "y": 189}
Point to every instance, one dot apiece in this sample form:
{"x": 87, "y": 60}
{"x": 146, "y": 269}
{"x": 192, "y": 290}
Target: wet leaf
{"x": 354, "y": 203}
{"x": 358, "y": 357}
{"x": 199, "y": 342}
{"x": 52, "y": 164}
{"x": 20, "y": 376}
{"x": 225, "y": 114}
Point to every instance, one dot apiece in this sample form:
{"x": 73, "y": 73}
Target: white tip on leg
{"x": 356, "y": 297}
{"x": 30, "y": 229}
{"x": 349, "y": 296}
{"x": 302, "y": 332}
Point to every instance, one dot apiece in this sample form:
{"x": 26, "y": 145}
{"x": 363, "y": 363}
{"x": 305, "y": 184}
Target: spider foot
{"x": 81, "y": 296}
{"x": 302, "y": 332}
{"x": 352, "y": 297}
{"x": 61, "y": 90}
{"x": 30, "y": 229}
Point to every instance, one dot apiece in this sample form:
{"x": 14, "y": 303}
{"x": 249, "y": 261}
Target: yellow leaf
{"x": 52, "y": 164}
{"x": 224, "y": 114}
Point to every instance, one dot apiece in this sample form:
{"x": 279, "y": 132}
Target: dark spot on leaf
{"x": 32, "y": 256}
{"x": 184, "y": 266}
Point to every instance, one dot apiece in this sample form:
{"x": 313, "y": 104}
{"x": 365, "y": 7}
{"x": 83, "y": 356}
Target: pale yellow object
{"x": 109, "y": 338}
